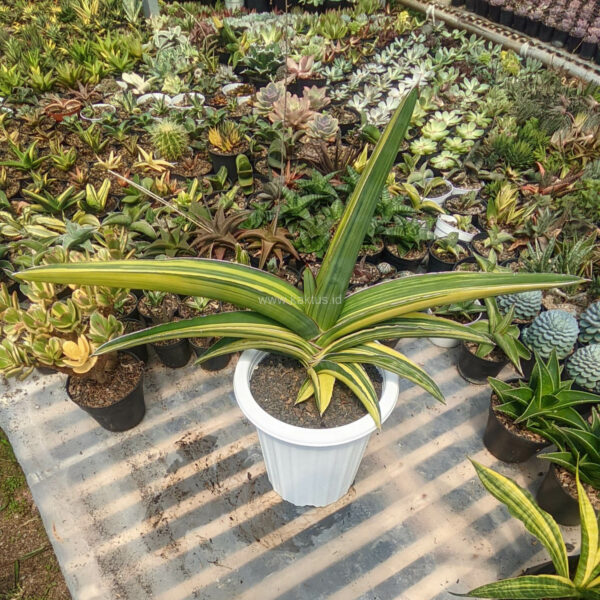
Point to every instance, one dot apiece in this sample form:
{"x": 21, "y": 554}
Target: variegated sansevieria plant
{"x": 333, "y": 335}
{"x": 584, "y": 582}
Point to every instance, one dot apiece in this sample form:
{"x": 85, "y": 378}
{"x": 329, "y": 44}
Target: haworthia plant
{"x": 331, "y": 334}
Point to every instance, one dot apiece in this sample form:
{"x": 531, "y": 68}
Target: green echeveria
{"x": 589, "y": 325}
{"x": 527, "y": 304}
{"x": 553, "y": 329}
{"x": 584, "y": 367}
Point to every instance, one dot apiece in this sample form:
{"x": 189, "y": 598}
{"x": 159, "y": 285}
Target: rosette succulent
{"x": 589, "y": 325}
{"x": 553, "y": 329}
{"x": 266, "y": 98}
{"x": 527, "y": 304}
{"x": 584, "y": 367}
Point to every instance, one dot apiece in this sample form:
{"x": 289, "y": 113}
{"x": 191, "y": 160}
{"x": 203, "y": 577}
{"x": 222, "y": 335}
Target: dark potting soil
{"x": 412, "y": 254}
{"x": 275, "y": 384}
{"x": 128, "y": 305}
{"x": 165, "y": 343}
{"x": 513, "y": 427}
{"x": 567, "y": 480}
{"x": 88, "y": 392}
{"x": 496, "y": 355}
{"x": 162, "y": 313}
{"x": 187, "y": 312}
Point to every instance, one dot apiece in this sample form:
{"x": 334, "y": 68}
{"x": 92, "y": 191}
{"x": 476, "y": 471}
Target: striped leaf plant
{"x": 331, "y": 333}
{"x": 583, "y": 583}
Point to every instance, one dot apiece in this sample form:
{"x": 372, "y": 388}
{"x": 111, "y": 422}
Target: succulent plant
{"x": 170, "y": 139}
{"x": 266, "y": 98}
{"x": 527, "y": 304}
{"x": 323, "y": 127}
{"x": 589, "y": 325}
{"x": 553, "y": 329}
{"x": 584, "y": 367}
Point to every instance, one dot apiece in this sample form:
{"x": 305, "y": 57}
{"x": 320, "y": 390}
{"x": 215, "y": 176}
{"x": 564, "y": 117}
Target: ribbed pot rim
{"x": 333, "y": 436}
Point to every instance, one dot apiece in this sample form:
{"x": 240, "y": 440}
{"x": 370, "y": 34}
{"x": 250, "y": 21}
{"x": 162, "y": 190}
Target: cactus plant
{"x": 527, "y": 304}
{"x": 584, "y": 367}
{"x": 589, "y": 325}
{"x": 170, "y": 139}
{"x": 553, "y": 329}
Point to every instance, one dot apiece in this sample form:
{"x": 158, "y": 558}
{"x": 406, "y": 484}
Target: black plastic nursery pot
{"x": 548, "y": 568}
{"x": 457, "y": 2}
{"x": 545, "y": 32}
{"x": 573, "y": 43}
{"x": 519, "y": 22}
{"x": 588, "y": 50}
{"x": 258, "y": 5}
{"x": 506, "y": 445}
{"x": 494, "y": 13}
{"x": 175, "y": 354}
{"x": 124, "y": 414}
{"x": 555, "y": 499}
{"x": 560, "y": 37}
{"x": 140, "y": 351}
{"x": 437, "y": 265}
{"x": 506, "y": 17}
{"x": 213, "y": 364}
{"x": 224, "y": 160}
{"x": 476, "y": 370}
{"x": 297, "y": 86}
{"x": 532, "y": 27}
{"x": 470, "y": 5}
{"x": 402, "y": 264}
{"x": 482, "y": 7}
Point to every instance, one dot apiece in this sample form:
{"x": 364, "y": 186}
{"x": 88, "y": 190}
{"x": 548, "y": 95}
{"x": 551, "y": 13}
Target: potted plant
{"x": 578, "y": 453}
{"x": 466, "y": 313}
{"x": 444, "y": 253}
{"x": 160, "y": 307}
{"x": 584, "y": 367}
{"x": 330, "y": 334}
{"x": 477, "y": 362}
{"x": 406, "y": 244}
{"x": 226, "y": 142}
{"x": 59, "y": 336}
{"x": 302, "y": 75}
{"x": 520, "y": 411}
{"x": 570, "y": 577}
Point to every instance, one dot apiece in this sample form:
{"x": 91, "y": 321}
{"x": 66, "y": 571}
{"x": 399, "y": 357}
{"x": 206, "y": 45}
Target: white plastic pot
{"x": 439, "y": 200}
{"x": 447, "y": 224}
{"x": 309, "y": 466}
{"x": 101, "y": 109}
{"x": 230, "y": 87}
{"x": 234, "y": 4}
{"x": 177, "y": 100}
{"x": 153, "y": 97}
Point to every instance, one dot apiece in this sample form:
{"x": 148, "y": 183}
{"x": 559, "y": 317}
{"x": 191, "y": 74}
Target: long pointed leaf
{"x": 412, "y": 325}
{"x": 242, "y": 324}
{"x": 527, "y": 587}
{"x": 520, "y": 504}
{"x": 391, "y": 360}
{"x": 226, "y": 346}
{"x": 588, "y": 554}
{"x": 241, "y": 285}
{"x": 339, "y": 262}
{"x": 392, "y": 299}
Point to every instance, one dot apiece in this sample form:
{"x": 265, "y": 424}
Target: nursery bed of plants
{"x": 574, "y": 26}
{"x": 330, "y": 151}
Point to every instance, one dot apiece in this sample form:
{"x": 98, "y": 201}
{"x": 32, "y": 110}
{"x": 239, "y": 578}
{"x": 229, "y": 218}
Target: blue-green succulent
{"x": 527, "y": 304}
{"x": 589, "y": 325}
{"x": 584, "y": 367}
{"x": 553, "y": 329}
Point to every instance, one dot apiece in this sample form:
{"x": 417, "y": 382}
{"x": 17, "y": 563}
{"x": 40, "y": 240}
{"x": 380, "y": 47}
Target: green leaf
{"x": 340, "y": 259}
{"x": 242, "y": 324}
{"x": 385, "y": 301}
{"x": 241, "y": 285}
{"x": 391, "y": 360}
{"x": 527, "y": 587}
{"x": 520, "y": 504}
{"x": 588, "y": 555}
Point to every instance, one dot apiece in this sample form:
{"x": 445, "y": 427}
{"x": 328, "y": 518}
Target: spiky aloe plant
{"x": 332, "y": 335}
{"x": 170, "y": 139}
